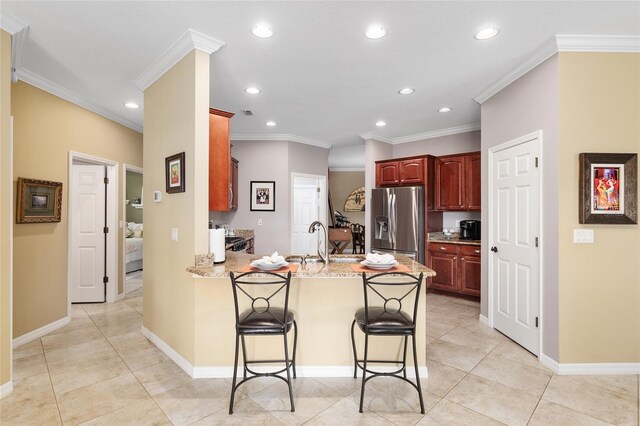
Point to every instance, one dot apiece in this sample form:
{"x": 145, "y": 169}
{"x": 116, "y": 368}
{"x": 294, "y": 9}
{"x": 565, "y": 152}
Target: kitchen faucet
{"x": 324, "y": 255}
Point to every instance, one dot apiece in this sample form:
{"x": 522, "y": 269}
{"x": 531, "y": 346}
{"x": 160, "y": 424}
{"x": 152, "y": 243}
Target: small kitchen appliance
{"x": 469, "y": 229}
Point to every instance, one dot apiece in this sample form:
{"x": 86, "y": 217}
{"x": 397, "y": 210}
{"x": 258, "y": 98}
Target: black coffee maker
{"x": 469, "y": 229}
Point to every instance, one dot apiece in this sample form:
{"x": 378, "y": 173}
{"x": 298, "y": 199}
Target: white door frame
{"x": 125, "y": 168}
{"x": 112, "y": 222}
{"x": 323, "y": 206}
{"x": 492, "y": 151}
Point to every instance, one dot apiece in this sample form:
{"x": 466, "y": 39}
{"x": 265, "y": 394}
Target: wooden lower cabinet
{"x": 457, "y": 268}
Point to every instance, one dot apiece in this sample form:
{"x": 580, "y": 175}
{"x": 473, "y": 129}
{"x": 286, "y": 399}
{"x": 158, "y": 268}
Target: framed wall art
{"x": 39, "y": 201}
{"x": 263, "y": 196}
{"x": 174, "y": 169}
{"x": 608, "y": 188}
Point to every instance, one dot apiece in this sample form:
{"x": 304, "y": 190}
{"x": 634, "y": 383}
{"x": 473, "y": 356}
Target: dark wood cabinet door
{"x": 445, "y": 266}
{"x": 411, "y": 172}
{"x": 469, "y": 275}
{"x": 219, "y": 160}
{"x": 450, "y": 183}
{"x": 387, "y": 174}
{"x": 234, "y": 184}
{"x": 472, "y": 177}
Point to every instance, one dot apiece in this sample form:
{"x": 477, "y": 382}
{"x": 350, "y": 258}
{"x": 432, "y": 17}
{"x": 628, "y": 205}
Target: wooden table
{"x": 339, "y": 239}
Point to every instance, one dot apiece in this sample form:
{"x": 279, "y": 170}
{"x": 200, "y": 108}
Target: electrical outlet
{"x": 259, "y": 222}
{"x": 174, "y": 234}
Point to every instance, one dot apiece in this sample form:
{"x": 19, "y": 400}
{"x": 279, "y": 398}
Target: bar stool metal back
{"x": 261, "y": 302}
{"x": 390, "y": 309}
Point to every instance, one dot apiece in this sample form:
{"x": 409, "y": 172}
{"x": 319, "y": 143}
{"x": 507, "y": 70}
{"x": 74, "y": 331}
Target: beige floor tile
{"x": 74, "y": 324}
{"x": 495, "y": 400}
{"x": 479, "y": 328}
{"x": 347, "y": 412}
{"x": 195, "y": 400}
{"x": 137, "y": 351}
{"x": 77, "y": 312}
{"x": 467, "y": 302}
{"x": 28, "y": 349}
{"x": 450, "y": 413}
{"x": 162, "y": 377}
{"x": 471, "y": 339}
{"x": 103, "y": 308}
{"x": 442, "y": 378}
{"x": 310, "y": 398}
{"x": 513, "y": 374}
{"x": 595, "y": 401}
{"x": 29, "y": 366}
{"x": 436, "y": 329}
{"x": 65, "y": 339}
{"x": 135, "y": 293}
{"x": 549, "y": 413}
{"x": 254, "y": 385}
{"x": 113, "y": 324}
{"x": 134, "y": 302}
{"x": 454, "y": 355}
{"x": 100, "y": 398}
{"x": 141, "y": 412}
{"x": 626, "y": 384}
{"x": 343, "y": 385}
{"x": 31, "y": 402}
{"x": 245, "y": 412}
{"x": 441, "y": 315}
{"x": 515, "y": 352}
{"x": 457, "y": 311}
{"x": 77, "y": 352}
{"x": 395, "y": 400}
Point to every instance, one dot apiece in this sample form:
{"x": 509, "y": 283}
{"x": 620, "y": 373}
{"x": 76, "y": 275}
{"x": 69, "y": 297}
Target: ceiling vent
{"x": 247, "y": 112}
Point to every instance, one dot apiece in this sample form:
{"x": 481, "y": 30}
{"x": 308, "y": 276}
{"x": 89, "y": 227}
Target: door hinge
{"x": 106, "y": 180}
{"x": 536, "y": 162}
{"x": 536, "y": 241}
{"x": 105, "y": 279}
{"x": 536, "y": 322}
{"x": 105, "y": 229}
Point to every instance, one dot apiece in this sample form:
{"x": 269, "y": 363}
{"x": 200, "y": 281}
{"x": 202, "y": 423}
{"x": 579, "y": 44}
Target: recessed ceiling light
{"x": 262, "y": 31}
{"x": 252, "y": 90}
{"x": 381, "y": 123}
{"x": 444, "y": 109}
{"x": 271, "y": 123}
{"x": 375, "y": 31}
{"x": 132, "y": 105}
{"x": 406, "y": 91}
{"x": 487, "y": 33}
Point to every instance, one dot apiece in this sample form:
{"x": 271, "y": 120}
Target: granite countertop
{"x": 237, "y": 260}
{"x": 439, "y": 237}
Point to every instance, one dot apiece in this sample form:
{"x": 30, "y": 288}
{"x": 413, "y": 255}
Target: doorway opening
{"x": 133, "y": 204}
{"x": 308, "y": 203}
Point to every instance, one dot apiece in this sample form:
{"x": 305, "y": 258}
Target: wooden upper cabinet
{"x": 234, "y": 183}
{"x": 458, "y": 182}
{"x": 220, "y": 173}
{"x": 450, "y": 183}
{"x": 387, "y": 174}
{"x": 411, "y": 171}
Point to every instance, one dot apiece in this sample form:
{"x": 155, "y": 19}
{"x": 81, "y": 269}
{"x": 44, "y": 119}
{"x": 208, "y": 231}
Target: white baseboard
{"x": 36, "y": 334}
{"x": 121, "y": 296}
{"x": 483, "y": 320}
{"x": 215, "y": 372}
{"x": 589, "y": 368}
{"x": 6, "y": 389}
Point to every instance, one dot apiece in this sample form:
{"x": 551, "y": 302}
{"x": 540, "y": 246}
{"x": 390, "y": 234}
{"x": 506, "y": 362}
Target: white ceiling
{"x": 320, "y": 77}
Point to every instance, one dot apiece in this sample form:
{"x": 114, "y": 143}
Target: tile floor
{"x": 100, "y": 370}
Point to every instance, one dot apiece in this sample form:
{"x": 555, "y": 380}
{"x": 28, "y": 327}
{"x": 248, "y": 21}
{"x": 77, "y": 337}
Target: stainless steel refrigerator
{"x": 397, "y": 221}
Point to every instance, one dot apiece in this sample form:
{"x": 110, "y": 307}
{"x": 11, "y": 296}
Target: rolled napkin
{"x": 383, "y": 259}
{"x": 274, "y": 258}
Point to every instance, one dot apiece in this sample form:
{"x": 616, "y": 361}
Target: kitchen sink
{"x": 332, "y": 259}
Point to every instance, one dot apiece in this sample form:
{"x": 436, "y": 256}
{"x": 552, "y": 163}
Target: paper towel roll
{"x": 216, "y": 245}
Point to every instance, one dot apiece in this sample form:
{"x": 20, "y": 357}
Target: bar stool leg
{"x": 404, "y": 358}
{"x": 286, "y": 364}
{"x": 244, "y": 358}
{"x": 364, "y": 368}
{"x": 235, "y": 374}
{"x": 415, "y": 363}
{"x": 295, "y": 344}
{"x": 355, "y": 354}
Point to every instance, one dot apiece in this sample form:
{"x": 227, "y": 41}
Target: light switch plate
{"x": 174, "y": 234}
{"x": 157, "y": 196}
{"x": 583, "y": 236}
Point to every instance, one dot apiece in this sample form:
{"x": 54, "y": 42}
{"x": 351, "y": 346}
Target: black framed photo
{"x": 174, "y": 166}
{"x": 263, "y": 196}
{"x": 608, "y": 188}
{"x": 39, "y": 201}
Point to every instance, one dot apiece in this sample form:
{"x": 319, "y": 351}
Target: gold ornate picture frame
{"x": 39, "y": 201}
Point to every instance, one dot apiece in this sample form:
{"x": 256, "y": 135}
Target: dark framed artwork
{"x": 608, "y": 188}
{"x": 263, "y": 196}
{"x": 174, "y": 167}
{"x": 39, "y": 201}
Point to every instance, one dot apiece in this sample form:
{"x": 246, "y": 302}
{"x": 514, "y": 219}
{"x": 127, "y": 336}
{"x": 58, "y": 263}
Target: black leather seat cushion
{"x": 381, "y": 322}
{"x": 252, "y": 322}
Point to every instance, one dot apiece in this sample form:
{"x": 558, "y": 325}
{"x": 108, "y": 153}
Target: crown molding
{"x": 187, "y": 42}
{"x": 280, "y": 137}
{"x": 562, "y": 43}
{"x": 61, "y": 92}
{"x": 11, "y": 24}
{"x": 370, "y": 135}
{"x": 438, "y": 133}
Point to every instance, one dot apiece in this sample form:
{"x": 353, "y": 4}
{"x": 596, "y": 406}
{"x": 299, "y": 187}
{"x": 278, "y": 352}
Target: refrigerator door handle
{"x": 394, "y": 224}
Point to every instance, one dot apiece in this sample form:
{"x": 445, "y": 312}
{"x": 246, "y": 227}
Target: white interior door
{"x": 87, "y": 234}
{"x": 514, "y": 256}
{"x": 307, "y": 206}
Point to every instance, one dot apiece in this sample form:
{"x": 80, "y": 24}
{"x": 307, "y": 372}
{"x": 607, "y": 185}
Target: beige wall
{"x": 176, "y": 119}
{"x": 6, "y": 207}
{"x": 134, "y": 190}
{"x": 600, "y": 282}
{"x": 46, "y": 128}
{"x": 341, "y": 185}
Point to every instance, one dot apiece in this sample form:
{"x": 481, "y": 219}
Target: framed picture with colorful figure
{"x": 174, "y": 166}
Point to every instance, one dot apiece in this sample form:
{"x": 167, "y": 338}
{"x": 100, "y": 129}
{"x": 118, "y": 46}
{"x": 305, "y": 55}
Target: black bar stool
{"x": 388, "y": 320}
{"x": 267, "y": 293}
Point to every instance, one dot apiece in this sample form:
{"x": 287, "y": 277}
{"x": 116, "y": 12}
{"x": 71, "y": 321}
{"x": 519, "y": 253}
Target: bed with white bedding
{"x": 133, "y": 247}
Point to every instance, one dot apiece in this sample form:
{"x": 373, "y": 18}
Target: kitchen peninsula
{"x": 324, "y": 299}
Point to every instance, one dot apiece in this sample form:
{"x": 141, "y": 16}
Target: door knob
{"x": 494, "y": 249}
